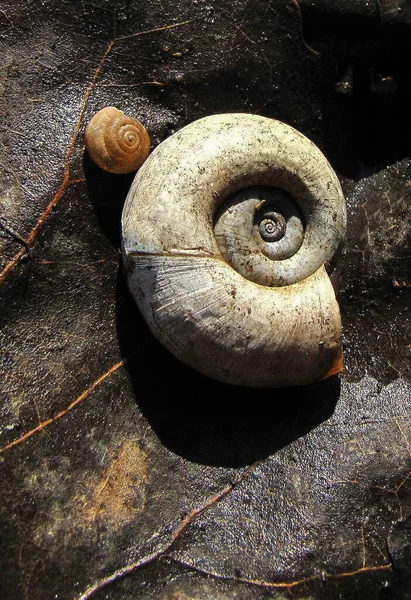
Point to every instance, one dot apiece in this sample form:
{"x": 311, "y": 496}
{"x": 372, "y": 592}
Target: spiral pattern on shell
{"x": 115, "y": 142}
{"x": 257, "y": 226}
{"x": 227, "y": 229}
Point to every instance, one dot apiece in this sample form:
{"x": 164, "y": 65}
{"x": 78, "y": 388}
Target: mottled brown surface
{"x": 112, "y": 490}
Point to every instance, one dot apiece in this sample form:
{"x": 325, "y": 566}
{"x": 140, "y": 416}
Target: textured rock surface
{"x": 110, "y": 488}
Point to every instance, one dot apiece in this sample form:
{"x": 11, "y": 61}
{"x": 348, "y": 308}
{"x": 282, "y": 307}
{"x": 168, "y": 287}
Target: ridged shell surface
{"x": 115, "y": 142}
{"x": 269, "y": 317}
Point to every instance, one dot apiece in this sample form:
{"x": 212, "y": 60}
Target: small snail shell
{"x": 225, "y": 234}
{"x": 115, "y": 142}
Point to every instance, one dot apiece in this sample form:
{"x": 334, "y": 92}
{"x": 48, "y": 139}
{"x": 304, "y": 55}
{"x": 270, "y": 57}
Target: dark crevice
{"x": 366, "y": 111}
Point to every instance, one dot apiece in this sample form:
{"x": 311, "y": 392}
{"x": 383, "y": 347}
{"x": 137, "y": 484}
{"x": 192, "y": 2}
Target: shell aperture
{"x": 225, "y": 233}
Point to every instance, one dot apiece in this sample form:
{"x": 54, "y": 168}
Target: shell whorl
{"x": 226, "y": 230}
{"x": 256, "y": 228}
{"x": 115, "y": 142}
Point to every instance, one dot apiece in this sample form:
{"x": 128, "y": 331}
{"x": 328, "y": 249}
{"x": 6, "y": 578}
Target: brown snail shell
{"x": 226, "y": 232}
{"x": 115, "y": 142}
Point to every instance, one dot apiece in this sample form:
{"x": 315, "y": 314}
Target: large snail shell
{"x": 115, "y": 142}
{"x": 226, "y": 231}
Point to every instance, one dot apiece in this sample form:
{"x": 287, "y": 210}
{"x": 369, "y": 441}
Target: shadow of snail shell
{"x": 226, "y": 232}
{"x": 115, "y": 142}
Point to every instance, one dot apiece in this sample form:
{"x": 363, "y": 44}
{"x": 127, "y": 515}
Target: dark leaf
{"x": 125, "y": 474}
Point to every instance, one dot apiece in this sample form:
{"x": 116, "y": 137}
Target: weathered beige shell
{"x": 115, "y": 142}
{"x": 281, "y": 328}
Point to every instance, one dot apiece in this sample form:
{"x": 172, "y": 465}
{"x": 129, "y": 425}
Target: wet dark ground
{"x": 125, "y": 474}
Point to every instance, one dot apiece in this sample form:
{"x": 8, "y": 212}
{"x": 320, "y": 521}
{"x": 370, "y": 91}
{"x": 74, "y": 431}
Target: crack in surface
{"x": 287, "y": 585}
{"x": 394, "y": 491}
{"x": 176, "y": 535}
{"x": 16, "y": 236}
{"x": 66, "y": 410}
{"x": 70, "y": 150}
{"x": 183, "y": 253}
{"x": 404, "y": 437}
{"x": 66, "y": 177}
{"x": 163, "y": 555}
